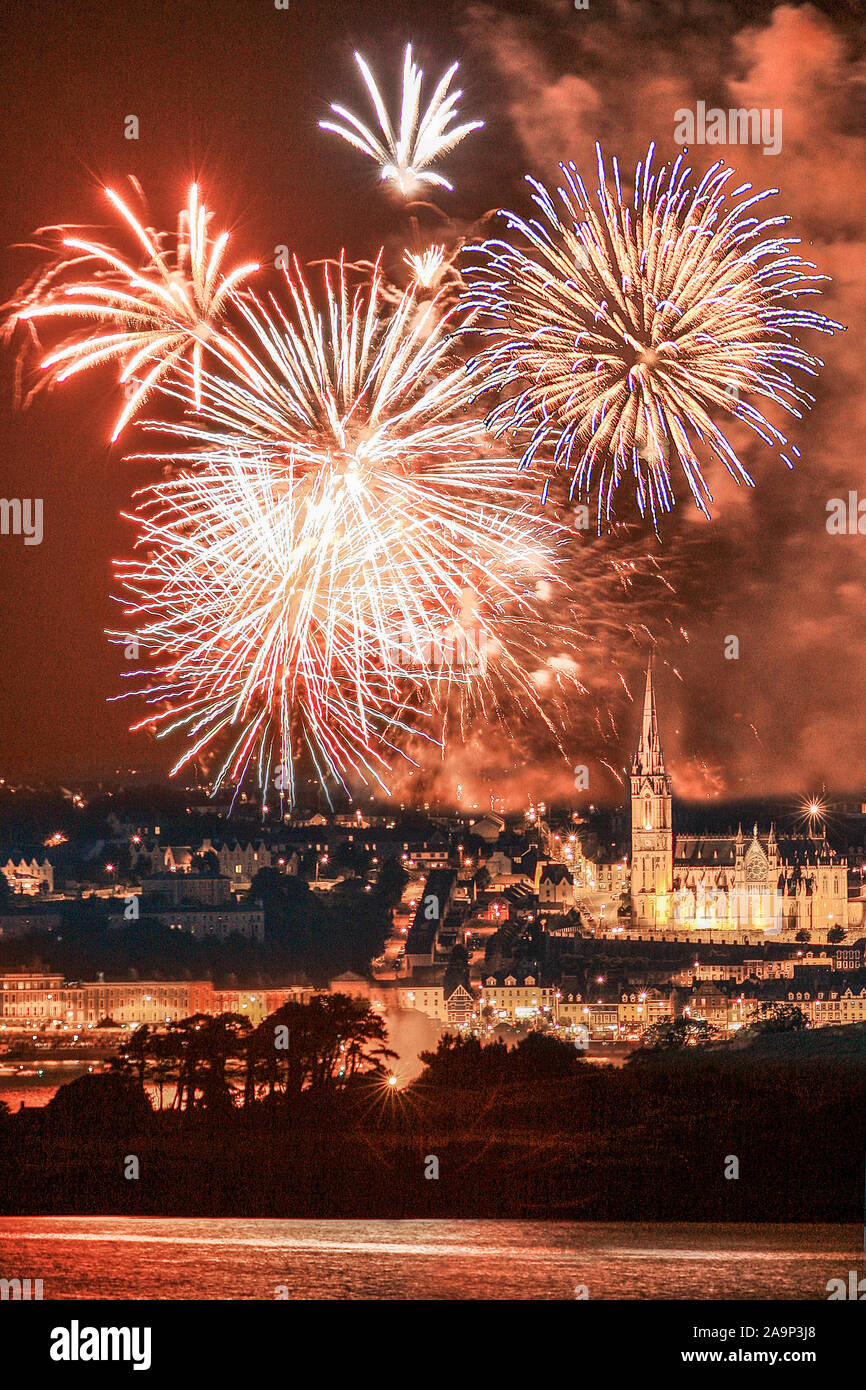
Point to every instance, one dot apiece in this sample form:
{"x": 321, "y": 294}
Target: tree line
{"x": 219, "y": 1063}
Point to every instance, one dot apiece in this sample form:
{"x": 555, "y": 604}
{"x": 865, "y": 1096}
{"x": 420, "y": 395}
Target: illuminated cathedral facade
{"x": 741, "y": 882}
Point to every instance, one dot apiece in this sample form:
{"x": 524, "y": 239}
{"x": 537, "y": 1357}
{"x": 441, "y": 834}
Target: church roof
{"x": 704, "y": 849}
{"x": 710, "y": 850}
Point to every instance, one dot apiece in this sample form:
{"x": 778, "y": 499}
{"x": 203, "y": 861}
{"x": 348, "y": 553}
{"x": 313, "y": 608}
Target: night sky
{"x": 230, "y": 92}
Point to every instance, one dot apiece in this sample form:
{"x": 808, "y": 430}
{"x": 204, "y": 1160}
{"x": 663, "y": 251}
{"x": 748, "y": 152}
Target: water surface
{"x": 143, "y": 1258}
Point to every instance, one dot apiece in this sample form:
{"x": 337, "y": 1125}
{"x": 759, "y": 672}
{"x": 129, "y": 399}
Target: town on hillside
{"x": 601, "y": 924}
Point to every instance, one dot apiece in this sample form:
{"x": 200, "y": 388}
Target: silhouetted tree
{"x": 779, "y": 1017}
{"x": 543, "y": 1055}
{"x": 93, "y": 1104}
{"x": 669, "y": 1037}
{"x": 327, "y": 1041}
{"x": 464, "y": 1063}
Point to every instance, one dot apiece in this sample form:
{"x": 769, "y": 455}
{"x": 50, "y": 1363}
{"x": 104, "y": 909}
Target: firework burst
{"x": 149, "y": 312}
{"x": 404, "y": 157}
{"x": 345, "y": 551}
{"x": 628, "y": 326}
{"x": 427, "y": 266}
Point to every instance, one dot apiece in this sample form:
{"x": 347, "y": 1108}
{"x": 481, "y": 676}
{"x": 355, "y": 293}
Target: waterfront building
{"x": 44, "y": 1001}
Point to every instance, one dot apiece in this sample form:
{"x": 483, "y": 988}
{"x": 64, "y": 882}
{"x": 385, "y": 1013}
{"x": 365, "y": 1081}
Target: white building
{"x": 27, "y": 876}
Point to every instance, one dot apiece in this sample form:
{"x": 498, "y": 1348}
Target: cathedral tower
{"x": 652, "y": 851}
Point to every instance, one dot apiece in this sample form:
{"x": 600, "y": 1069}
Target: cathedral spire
{"x": 652, "y": 871}
{"x": 648, "y": 760}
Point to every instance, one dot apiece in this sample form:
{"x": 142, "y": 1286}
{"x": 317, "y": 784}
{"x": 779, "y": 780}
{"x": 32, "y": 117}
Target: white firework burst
{"x": 404, "y": 156}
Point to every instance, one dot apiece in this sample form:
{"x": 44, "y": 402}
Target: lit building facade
{"x": 48, "y": 1001}
{"x": 28, "y": 875}
{"x": 700, "y": 882}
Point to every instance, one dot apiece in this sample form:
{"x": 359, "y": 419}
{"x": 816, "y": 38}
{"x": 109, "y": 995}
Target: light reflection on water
{"x": 139, "y": 1257}
{"x": 32, "y": 1090}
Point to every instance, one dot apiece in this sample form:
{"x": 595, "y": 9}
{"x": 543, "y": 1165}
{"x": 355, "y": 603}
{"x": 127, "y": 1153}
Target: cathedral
{"x": 739, "y": 882}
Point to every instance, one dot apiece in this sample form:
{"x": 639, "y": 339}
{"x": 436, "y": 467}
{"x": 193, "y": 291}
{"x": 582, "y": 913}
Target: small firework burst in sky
{"x": 626, "y": 328}
{"x": 404, "y": 156}
{"x": 426, "y": 266}
{"x": 149, "y": 312}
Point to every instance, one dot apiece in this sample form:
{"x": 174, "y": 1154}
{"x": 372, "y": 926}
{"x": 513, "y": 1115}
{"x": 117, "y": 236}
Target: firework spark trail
{"x": 344, "y": 517}
{"x": 624, "y": 327}
{"x": 255, "y": 634}
{"x": 426, "y": 266}
{"x": 623, "y": 597}
{"x": 290, "y": 620}
{"x": 355, "y": 387}
{"x": 150, "y": 313}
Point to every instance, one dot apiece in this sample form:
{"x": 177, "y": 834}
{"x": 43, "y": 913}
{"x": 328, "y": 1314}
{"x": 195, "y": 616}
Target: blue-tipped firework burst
{"x": 628, "y": 326}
